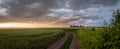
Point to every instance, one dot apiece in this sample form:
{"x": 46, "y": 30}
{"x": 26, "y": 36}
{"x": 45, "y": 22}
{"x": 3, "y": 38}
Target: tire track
{"x": 74, "y": 44}
{"x": 59, "y": 43}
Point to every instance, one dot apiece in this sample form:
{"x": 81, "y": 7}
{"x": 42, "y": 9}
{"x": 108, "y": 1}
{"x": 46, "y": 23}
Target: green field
{"x": 88, "y": 38}
{"x": 44, "y": 37}
{"x": 29, "y": 38}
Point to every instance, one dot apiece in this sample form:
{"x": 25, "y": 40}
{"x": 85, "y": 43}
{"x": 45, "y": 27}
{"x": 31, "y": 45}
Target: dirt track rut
{"x": 59, "y": 43}
{"x": 74, "y": 43}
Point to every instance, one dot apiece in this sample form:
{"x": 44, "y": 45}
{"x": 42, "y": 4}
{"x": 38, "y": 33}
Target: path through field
{"x": 59, "y": 43}
{"x": 74, "y": 43}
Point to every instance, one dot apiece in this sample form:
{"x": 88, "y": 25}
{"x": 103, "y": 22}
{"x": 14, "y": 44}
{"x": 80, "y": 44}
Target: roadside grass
{"x": 29, "y": 38}
{"x": 88, "y": 38}
{"x": 67, "y": 43}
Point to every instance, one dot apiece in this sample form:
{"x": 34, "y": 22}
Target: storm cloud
{"x": 61, "y": 12}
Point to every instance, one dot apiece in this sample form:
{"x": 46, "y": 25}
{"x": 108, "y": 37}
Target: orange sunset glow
{"x": 24, "y": 25}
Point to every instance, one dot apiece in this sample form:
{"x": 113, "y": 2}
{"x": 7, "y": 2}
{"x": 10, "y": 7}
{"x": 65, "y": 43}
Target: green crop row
{"x": 29, "y": 38}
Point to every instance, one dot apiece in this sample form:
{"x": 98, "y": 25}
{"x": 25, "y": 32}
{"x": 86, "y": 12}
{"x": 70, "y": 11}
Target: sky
{"x": 58, "y": 12}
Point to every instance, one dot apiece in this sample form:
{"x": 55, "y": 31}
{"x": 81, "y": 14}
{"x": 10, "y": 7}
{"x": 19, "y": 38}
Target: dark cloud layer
{"x": 67, "y": 12}
{"x": 77, "y": 4}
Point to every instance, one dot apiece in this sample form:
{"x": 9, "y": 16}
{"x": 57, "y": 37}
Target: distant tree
{"x": 80, "y": 26}
{"x": 71, "y": 26}
{"x": 76, "y": 26}
{"x": 105, "y": 23}
{"x": 93, "y": 28}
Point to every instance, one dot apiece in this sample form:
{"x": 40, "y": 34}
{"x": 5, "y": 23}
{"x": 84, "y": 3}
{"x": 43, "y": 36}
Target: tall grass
{"x": 89, "y": 38}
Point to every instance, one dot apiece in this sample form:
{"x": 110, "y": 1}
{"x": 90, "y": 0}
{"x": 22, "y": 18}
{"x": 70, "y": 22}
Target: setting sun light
{"x": 23, "y": 25}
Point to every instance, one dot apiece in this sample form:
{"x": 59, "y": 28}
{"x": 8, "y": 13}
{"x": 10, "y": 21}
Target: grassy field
{"x": 29, "y": 38}
{"x": 89, "y": 38}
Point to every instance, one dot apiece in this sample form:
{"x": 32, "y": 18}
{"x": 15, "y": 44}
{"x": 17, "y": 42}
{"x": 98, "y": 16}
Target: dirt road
{"x": 59, "y": 43}
{"x": 74, "y": 43}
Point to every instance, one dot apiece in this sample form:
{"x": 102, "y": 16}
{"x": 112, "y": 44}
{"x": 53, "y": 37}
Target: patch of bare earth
{"x": 59, "y": 43}
{"x": 74, "y": 44}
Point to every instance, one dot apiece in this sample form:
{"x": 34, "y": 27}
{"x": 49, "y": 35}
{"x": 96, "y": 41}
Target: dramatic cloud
{"x": 60, "y": 12}
{"x": 3, "y": 11}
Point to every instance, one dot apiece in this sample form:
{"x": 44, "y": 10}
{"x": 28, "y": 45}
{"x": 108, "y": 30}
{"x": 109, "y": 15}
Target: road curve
{"x": 59, "y": 43}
